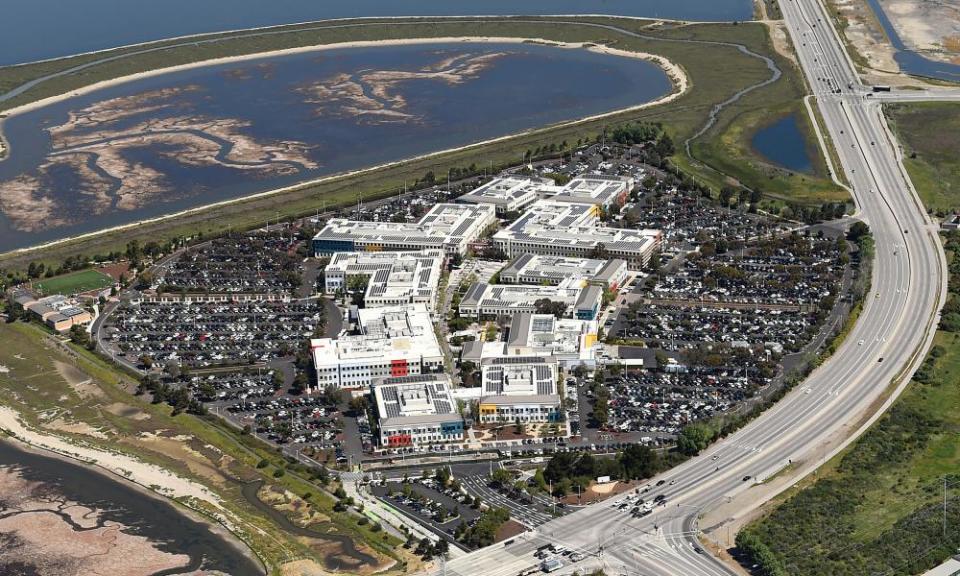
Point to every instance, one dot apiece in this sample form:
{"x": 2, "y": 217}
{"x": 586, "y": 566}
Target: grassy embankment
{"x": 877, "y": 508}
{"x": 79, "y": 397}
{"x": 930, "y": 154}
{"x": 716, "y": 73}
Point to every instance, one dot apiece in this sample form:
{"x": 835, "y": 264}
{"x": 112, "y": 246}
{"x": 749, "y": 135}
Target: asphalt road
{"x": 889, "y": 340}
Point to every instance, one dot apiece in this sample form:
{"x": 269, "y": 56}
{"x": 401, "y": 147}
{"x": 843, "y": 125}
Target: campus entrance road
{"x": 886, "y": 345}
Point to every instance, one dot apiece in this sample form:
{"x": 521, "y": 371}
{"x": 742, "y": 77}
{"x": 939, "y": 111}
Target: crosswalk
{"x": 529, "y": 516}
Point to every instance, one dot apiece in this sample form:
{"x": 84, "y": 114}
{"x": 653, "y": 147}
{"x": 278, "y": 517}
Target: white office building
{"x": 415, "y": 410}
{"x": 519, "y": 388}
{"x": 447, "y": 227}
{"x": 555, "y": 228}
{"x": 603, "y": 191}
{"x": 537, "y": 269}
{"x": 510, "y": 193}
{"x": 393, "y": 341}
{"x": 393, "y": 278}
{"x": 571, "y": 342}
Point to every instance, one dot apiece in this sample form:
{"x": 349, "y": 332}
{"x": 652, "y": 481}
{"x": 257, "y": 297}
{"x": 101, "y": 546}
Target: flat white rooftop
{"x": 602, "y": 190}
{"x": 417, "y": 399}
{"x": 393, "y": 276}
{"x": 571, "y": 228}
{"x": 509, "y": 192}
{"x": 394, "y": 333}
{"x": 518, "y": 297}
{"x": 444, "y": 226}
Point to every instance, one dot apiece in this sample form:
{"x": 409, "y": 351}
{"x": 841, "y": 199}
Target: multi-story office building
{"x": 508, "y": 194}
{"x": 604, "y": 191}
{"x": 448, "y": 227}
{"x": 519, "y": 388}
{"x": 554, "y": 228}
{"x": 415, "y": 410}
{"x": 536, "y": 269}
{"x": 393, "y": 278}
{"x": 393, "y": 341}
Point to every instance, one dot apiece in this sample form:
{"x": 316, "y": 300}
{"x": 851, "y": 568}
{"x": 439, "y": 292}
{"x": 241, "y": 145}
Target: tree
{"x": 580, "y": 370}
{"x": 547, "y": 306}
{"x": 79, "y": 336}
{"x": 359, "y": 405}
{"x": 332, "y": 395}
{"x": 501, "y": 477}
{"x": 637, "y": 462}
{"x": 519, "y": 427}
{"x": 858, "y": 230}
{"x": 694, "y": 438}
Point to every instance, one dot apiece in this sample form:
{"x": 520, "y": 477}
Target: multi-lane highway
{"x": 888, "y": 341}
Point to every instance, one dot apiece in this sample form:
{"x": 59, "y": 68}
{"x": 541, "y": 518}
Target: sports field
{"x": 73, "y": 283}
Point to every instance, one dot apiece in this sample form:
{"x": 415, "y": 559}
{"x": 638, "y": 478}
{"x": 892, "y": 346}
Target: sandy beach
{"x": 675, "y": 73}
{"x": 146, "y": 475}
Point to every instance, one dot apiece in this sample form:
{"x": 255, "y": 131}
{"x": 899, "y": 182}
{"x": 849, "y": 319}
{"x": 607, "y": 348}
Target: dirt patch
{"x": 292, "y": 506}
{"x": 126, "y": 411}
{"x": 509, "y": 529}
{"x": 115, "y": 271}
{"x": 78, "y": 380}
{"x": 864, "y": 32}
{"x": 781, "y": 40}
{"x": 929, "y": 28}
{"x": 82, "y": 428}
{"x": 178, "y": 448}
{"x": 600, "y": 492}
{"x": 303, "y": 568}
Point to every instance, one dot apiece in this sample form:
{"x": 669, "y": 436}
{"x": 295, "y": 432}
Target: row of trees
{"x": 568, "y": 471}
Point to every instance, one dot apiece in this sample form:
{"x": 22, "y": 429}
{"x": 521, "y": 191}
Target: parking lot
{"x": 774, "y": 291}
{"x": 688, "y": 220}
{"x": 441, "y": 508}
{"x": 209, "y": 333}
{"x": 660, "y": 404}
{"x": 256, "y": 262}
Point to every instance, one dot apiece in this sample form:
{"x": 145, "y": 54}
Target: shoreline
{"x": 13, "y": 430}
{"x": 675, "y": 74}
{"x": 232, "y": 32}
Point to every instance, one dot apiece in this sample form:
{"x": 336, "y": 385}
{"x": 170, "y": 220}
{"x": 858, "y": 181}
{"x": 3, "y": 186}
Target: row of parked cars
{"x": 255, "y": 262}
{"x": 202, "y": 334}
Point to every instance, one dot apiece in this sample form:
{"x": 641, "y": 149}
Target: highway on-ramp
{"x": 842, "y": 396}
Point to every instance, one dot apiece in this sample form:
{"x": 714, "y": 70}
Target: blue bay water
{"x": 39, "y": 29}
{"x": 522, "y": 86}
{"x": 912, "y": 62}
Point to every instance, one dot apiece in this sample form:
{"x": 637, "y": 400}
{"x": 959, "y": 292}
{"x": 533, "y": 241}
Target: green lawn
{"x": 931, "y": 155}
{"x": 73, "y": 283}
{"x": 716, "y": 73}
